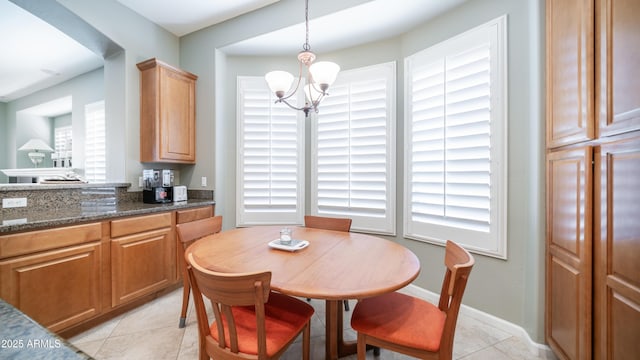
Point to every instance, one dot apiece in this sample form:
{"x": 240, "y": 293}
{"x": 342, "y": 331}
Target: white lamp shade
{"x": 324, "y": 72}
{"x": 279, "y": 81}
{"x": 35, "y": 145}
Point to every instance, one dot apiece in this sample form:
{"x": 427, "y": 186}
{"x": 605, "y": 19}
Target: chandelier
{"x": 320, "y": 76}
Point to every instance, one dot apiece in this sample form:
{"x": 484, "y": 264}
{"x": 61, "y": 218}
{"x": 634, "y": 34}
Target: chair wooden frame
{"x": 227, "y": 291}
{"x": 327, "y": 223}
{"x": 187, "y": 234}
{"x": 459, "y": 263}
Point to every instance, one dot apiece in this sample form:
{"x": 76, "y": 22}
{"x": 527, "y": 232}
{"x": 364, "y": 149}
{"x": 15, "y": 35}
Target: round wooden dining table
{"x": 335, "y": 266}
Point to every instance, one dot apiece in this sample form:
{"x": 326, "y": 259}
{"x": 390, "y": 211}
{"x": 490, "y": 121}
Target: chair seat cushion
{"x": 400, "y": 319}
{"x": 285, "y": 317}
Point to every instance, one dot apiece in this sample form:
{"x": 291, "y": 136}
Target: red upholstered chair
{"x": 412, "y": 326}
{"x": 188, "y": 233}
{"x": 251, "y": 321}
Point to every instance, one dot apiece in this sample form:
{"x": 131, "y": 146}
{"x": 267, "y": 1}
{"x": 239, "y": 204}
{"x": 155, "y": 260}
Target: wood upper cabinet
{"x": 142, "y": 256}
{"x": 617, "y": 250}
{"x": 618, "y": 65}
{"x": 57, "y": 278}
{"x": 167, "y": 113}
{"x": 569, "y": 252}
{"x": 570, "y": 66}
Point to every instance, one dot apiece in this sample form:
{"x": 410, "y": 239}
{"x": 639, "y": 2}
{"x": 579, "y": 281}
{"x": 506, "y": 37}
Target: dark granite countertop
{"x": 23, "y": 338}
{"x": 87, "y": 211}
{"x": 59, "y": 186}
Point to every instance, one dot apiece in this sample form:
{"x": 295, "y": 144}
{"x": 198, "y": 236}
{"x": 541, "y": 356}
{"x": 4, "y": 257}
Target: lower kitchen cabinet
{"x": 70, "y": 277}
{"x": 142, "y": 256}
{"x": 57, "y": 288}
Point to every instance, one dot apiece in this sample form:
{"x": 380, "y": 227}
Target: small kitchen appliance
{"x": 158, "y": 186}
{"x": 179, "y": 193}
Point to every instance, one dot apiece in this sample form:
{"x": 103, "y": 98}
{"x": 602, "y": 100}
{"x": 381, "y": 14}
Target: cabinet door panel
{"x": 141, "y": 264}
{"x": 56, "y": 288}
{"x": 617, "y": 250}
{"x": 618, "y": 65}
{"x": 570, "y": 65}
{"x": 177, "y": 141}
{"x": 569, "y": 252}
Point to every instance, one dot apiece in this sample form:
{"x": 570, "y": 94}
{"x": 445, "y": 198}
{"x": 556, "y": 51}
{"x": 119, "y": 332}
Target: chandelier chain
{"x": 306, "y": 45}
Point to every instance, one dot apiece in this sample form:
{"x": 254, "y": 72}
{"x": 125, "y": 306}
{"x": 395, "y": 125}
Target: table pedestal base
{"x": 334, "y": 337}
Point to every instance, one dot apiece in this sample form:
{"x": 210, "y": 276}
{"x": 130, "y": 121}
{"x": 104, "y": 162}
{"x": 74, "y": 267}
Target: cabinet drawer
{"x": 34, "y": 241}
{"x": 190, "y": 215}
{"x": 138, "y": 224}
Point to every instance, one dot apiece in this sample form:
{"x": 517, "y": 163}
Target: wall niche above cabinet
{"x": 167, "y": 113}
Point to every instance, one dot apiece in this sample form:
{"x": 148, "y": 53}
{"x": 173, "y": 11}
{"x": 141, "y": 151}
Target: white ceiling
{"x": 37, "y": 55}
{"x": 371, "y": 21}
{"x": 186, "y": 16}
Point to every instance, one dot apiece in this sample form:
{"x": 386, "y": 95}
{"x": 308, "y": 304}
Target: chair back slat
{"x": 231, "y": 325}
{"x": 194, "y": 230}
{"x": 327, "y": 223}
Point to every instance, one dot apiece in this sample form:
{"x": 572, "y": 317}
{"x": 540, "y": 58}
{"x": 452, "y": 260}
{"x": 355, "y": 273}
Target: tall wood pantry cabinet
{"x": 167, "y": 113}
{"x": 593, "y": 179}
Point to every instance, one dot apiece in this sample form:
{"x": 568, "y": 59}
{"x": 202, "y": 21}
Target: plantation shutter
{"x": 95, "y": 156}
{"x": 354, "y": 148}
{"x": 62, "y": 139}
{"x": 451, "y": 141}
{"x": 455, "y": 155}
{"x": 270, "y": 157}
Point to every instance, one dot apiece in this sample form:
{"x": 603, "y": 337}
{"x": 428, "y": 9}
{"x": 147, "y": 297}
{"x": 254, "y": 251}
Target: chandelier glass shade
{"x": 320, "y": 76}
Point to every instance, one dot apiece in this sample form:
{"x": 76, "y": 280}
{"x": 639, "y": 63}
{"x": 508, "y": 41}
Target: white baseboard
{"x": 501, "y": 324}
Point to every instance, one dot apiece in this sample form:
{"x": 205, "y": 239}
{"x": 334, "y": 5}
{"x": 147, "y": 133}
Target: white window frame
{"x": 364, "y": 219}
{"x": 272, "y": 215}
{"x": 494, "y": 242}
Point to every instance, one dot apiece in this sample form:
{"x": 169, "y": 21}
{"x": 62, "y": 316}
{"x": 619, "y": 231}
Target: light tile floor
{"x": 151, "y": 332}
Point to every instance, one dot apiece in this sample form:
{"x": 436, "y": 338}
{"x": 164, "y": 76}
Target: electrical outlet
{"x": 14, "y": 202}
{"x": 140, "y": 182}
{"x": 203, "y": 181}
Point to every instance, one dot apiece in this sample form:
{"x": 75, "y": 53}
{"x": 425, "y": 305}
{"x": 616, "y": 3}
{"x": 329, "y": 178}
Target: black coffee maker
{"x": 158, "y": 186}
